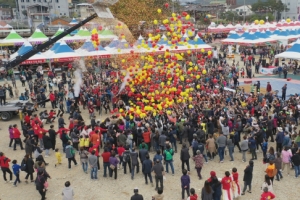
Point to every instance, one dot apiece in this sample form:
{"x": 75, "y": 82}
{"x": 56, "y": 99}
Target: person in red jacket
{"x": 17, "y": 137}
{"x": 147, "y": 140}
{"x": 266, "y": 195}
{"x": 120, "y": 150}
{"x": 52, "y": 99}
{"x": 105, "y": 155}
{"x": 4, "y": 164}
{"x": 27, "y": 118}
{"x": 193, "y": 195}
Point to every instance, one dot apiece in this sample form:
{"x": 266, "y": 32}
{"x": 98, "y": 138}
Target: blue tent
{"x": 88, "y": 45}
{"x": 276, "y": 32}
{"x": 295, "y": 48}
{"x": 293, "y": 32}
{"x": 196, "y": 41}
{"x": 261, "y": 35}
{"x": 250, "y": 37}
{"x": 54, "y": 47}
{"x": 119, "y": 44}
{"x": 245, "y": 34}
{"x": 283, "y": 33}
{"x": 63, "y": 48}
{"x": 298, "y": 31}
{"x": 268, "y": 32}
{"x": 163, "y": 41}
{"x": 233, "y": 35}
{"x": 24, "y": 48}
{"x": 139, "y": 41}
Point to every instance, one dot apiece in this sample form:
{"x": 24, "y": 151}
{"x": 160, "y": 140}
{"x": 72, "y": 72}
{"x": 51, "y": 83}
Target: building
{"x": 241, "y": 10}
{"x": 84, "y": 10}
{"x": 293, "y": 10}
{"x": 231, "y": 2}
{"x": 6, "y": 12}
{"x": 54, "y": 8}
{"x": 248, "y": 2}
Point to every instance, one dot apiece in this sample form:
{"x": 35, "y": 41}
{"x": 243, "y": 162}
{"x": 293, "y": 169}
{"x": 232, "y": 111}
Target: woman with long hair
{"x": 267, "y": 183}
{"x": 207, "y": 192}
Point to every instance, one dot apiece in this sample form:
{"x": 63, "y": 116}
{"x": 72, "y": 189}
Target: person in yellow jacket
{"x": 81, "y": 142}
{"x": 86, "y": 142}
{"x": 58, "y": 157}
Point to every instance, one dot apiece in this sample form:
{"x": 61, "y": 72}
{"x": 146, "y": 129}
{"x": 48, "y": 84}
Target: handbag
{"x": 111, "y": 166}
{"x": 46, "y": 184}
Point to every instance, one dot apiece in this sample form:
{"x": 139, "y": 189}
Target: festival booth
{"x": 63, "y": 53}
{"x": 38, "y": 37}
{"x": 13, "y": 39}
{"x": 254, "y": 39}
{"x": 22, "y": 50}
{"x": 291, "y": 53}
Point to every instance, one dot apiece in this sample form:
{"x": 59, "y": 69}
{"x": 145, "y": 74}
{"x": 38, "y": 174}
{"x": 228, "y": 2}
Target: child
{"x": 86, "y": 142}
{"x": 58, "y": 156}
{"x": 81, "y": 142}
{"x": 68, "y": 192}
{"x": 193, "y": 196}
{"x": 16, "y": 169}
{"x": 185, "y": 183}
{"x": 265, "y": 147}
{"x": 235, "y": 183}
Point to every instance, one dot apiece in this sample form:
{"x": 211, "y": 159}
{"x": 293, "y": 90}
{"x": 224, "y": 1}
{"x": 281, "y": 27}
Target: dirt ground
{"x": 122, "y": 188}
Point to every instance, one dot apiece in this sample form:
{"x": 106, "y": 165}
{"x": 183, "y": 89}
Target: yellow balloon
{"x": 209, "y": 52}
{"x": 261, "y": 22}
{"x": 155, "y": 22}
{"x": 198, "y": 86}
{"x": 256, "y": 21}
{"x": 190, "y": 106}
{"x": 121, "y": 110}
{"x": 288, "y": 20}
{"x": 159, "y": 10}
{"x": 202, "y": 50}
{"x": 204, "y": 71}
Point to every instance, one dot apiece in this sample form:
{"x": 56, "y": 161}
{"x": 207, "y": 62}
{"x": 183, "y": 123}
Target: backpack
{"x": 126, "y": 157}
{"x": 23, "y": 166}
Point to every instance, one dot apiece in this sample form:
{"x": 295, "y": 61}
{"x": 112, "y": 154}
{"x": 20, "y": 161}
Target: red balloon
{"x": 166, "y": 5}
{"x": 100, "y": 28}
{"x": 216, "y": 91}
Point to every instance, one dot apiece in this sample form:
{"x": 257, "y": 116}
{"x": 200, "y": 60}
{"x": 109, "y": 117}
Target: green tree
{"x": 275, "y": 7}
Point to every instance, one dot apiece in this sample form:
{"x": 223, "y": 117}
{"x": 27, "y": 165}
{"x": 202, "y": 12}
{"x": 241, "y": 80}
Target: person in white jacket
{"x": 68, "y": 192}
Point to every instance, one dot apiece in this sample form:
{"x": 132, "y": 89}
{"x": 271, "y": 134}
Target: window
{"x": 45, "y": 1}
{"x": 57, "y": 1}
{"x": 64, "y": 13}
{"x": 33, "y": 0}
{"x": 27, "y": 0}
{"x": 39, "y": 0}
{"x": 60, "y": 14}
{"x": 23, "y": 7}
{"x": 58, "y": 6}
{"x": 22, "y": 0}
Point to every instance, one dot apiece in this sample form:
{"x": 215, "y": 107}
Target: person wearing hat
{"x": 136, "y": 195}
{"x": 279, "y": 139}
{"x": 248, "y": 175}
{"x": 215, "y": 185}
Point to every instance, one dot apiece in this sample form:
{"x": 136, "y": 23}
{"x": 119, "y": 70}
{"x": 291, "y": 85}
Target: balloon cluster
{"x": 261, "y": 22}
{"x": 95, "y": 38}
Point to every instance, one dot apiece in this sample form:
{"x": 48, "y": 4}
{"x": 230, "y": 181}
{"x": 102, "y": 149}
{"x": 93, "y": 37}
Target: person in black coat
{"x": 29, "y": 169}
{"x": 146, "y": 169}
{"x": 210, "y": 126}
{"x": 248, "y": 175}
{"x": 185, "y": 157}
{"x": 47, "y": 144}
{"x": 136, "y": 195}
{"x": 52, "y": 135}
{"x": 39, "y": 183}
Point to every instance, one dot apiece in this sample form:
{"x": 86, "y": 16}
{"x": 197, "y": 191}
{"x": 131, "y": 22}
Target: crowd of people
{"x": 156, "y": 110}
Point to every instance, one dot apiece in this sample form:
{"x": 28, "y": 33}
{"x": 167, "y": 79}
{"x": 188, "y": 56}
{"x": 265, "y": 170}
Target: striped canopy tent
{"x": 163, "y": 40}
{"x": 291, "y": 53}
{"x": 38, "y": 37}
{"x": 13, "y": 39}
{"x": 232, "y": 38}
